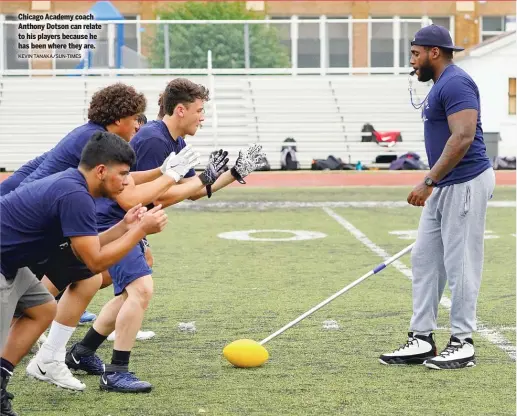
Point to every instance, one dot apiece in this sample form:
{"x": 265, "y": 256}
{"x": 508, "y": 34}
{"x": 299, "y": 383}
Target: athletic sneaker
{"x": 55, "y": 372}
{"x": 6, "y": 408}
{"x": 457, "y": 354}
{"x": 119, "y": 379}
{"x": 87, "y": 318}
{"x": 140, "y": 336}
{"x": 91, "y": 363}
{"x": 416, "y": 350}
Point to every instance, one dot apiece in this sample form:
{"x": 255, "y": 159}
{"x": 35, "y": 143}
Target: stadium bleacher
{"x": 324, "y": 114}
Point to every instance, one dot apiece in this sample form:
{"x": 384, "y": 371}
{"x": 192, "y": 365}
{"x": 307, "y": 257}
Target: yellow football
{"x": 245, "y": 353}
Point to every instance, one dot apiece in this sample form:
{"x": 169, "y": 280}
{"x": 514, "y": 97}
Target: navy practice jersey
{"x": 17, "y": 177}
{"x": 454, "y": 91}
{"x": 66, "y": 154}
{"x": 37, "y": 217}
{"x": 152, "y": 145}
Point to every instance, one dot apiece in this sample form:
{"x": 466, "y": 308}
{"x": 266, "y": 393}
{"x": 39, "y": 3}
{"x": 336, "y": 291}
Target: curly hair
{"x": 161, "y": 111}
{"x": 182, "y": 91}
{"x": 115, "y": 102}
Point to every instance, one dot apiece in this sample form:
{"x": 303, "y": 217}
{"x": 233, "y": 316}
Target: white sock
{"x": 54, "y": 348}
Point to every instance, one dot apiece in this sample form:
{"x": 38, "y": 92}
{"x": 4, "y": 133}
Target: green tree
{"x": 189, "y": 43}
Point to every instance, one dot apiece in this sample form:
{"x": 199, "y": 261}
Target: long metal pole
{"x": 376, "y": 270}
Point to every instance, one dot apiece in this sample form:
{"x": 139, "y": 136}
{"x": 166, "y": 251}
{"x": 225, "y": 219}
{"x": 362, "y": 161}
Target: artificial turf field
{"x": 236, "y": 289}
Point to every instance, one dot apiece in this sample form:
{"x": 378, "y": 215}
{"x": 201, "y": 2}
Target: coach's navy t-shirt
{"x": 454, "y": 91}
{"x": 17, "y": 177}
{"x": 37, "y": 217}
{"x": 67, "y": 153}
{"x": 152, "y": 144}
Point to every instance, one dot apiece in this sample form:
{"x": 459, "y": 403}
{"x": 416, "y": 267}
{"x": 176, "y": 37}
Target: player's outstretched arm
{"x": 99, "y": 258}
{"x": 224, "y": 180}
{"x": 248, "y": 161}
{"x": 173, "y": 170}
{"x": 143, "y": 194}
{"x": 178, "y": 193}
{"x": 145, "y": 176}
{"x": 216, "y": 167}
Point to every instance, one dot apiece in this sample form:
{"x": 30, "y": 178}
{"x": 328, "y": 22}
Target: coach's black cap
{"x": 434, "y": 35}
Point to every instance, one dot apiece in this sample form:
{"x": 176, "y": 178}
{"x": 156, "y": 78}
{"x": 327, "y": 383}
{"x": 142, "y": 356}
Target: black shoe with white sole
{"x": 416, "y": 350}
{"x": 6, "y": 408}
{"x": 457, "y": 354}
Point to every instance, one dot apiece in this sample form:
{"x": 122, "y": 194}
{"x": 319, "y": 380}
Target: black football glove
{"x": 217, "y": 165}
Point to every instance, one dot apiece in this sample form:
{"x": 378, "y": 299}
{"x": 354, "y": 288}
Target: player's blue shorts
{"x": 130, "y": 268}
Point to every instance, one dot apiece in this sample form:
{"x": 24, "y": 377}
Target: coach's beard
{"x": 426, "y": 73}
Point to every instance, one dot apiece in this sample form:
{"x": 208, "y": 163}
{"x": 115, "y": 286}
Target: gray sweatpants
{"x": 449, "y": 248}
{"x": 23, "y": 292}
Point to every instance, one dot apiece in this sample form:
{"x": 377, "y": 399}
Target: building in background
{"x": 470, "y": 22}
{"x": 320, "y": 38}
{"x": 498, "y": 98}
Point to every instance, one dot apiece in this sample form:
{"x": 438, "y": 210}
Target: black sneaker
{"x": 6, "y": 408}
{"x": 118, "y": 378}
{"x": 416, "y": 350}
{"x": 79, "y": 358}
{"x": 457, "y": 354}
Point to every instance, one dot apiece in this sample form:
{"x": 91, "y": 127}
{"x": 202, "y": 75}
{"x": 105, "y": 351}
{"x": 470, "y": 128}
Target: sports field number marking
{"x": 246, "y": 235}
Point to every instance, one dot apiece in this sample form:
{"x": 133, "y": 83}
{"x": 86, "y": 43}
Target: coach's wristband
{"x": 209, "y": 191}
{"x": 237, "y": 176}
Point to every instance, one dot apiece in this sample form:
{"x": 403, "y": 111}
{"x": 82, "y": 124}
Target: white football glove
{"x": 248, "y": 161}
{"x": 176, "y": 166}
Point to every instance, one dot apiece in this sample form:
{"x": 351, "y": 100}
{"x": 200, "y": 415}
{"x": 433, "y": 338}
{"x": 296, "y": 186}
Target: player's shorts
{"x": 133, "y": 266}
{"x": 62, "y": 267}
{"x": 25, "y": 291}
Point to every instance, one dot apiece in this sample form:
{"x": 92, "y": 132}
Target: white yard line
{"x": 201, "y": 205}
{"x": 490, "y": 334}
